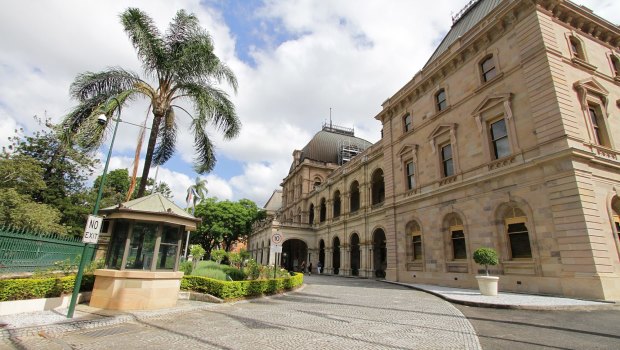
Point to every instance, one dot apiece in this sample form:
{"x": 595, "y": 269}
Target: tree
{"x": 224, "y": 222}
{"x": 197, "y": 252}
{"x": 218, "y": 255}
{"x": 21, "y": 211}
{"x": 197, "y": 192}
{"x": 486, "y": 257}
{"x": 117, "y": 185}
{"x": 185, "y": 68}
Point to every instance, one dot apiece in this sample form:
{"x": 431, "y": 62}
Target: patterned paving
{"x": 330, "y": 313}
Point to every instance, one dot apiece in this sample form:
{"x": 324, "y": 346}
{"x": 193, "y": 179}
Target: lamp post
{"x": 102, "y": 120}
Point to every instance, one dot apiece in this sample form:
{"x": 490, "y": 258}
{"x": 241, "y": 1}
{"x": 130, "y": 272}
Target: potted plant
{"x": 487, "y": 257}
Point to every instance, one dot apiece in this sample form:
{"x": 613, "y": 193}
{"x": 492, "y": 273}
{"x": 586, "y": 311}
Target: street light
{"x": 102, "y": 119}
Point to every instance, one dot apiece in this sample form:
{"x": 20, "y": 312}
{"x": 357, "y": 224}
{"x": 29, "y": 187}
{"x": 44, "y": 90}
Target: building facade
{"x": 508, "y": 138}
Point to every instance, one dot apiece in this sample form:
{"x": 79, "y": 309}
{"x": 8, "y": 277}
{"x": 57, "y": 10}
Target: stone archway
{"x": 322, "y": 254}
{"x": 355, "y": 255}
{"x": 294, "y": 251}
{"x": 379, "y": 249}
{"x": 336, "y": 255}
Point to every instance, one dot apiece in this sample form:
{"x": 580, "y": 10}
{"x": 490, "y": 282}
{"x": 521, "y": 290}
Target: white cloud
{"x": 345, "y": 55}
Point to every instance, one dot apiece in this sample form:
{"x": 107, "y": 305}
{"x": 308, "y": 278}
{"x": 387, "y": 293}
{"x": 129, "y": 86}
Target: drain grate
{"x": 99, "y": 333}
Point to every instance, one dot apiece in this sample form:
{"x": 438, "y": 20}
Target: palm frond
{"x": 213, "y": 106}
{"x": 166, "y": 138}
{"x": 110, "y": 82}
{"x": 145, "y": 38}
{"x": 205, "y": 159}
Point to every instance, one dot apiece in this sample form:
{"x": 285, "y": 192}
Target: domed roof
{"x": 328, "y": 144}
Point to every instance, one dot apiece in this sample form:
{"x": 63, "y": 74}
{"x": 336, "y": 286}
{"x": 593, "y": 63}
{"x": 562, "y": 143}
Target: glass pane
{"x": 593, "y": 117}
{"x": 520, "y": 245}
{"x": 502, "y": 148}
{"x": 142, "y": 246}
{"x": 408, "y": 122}
{"x": 446, "y": 152}
{"x": 459, "y": 250}
{"x": 518, "y": 227}
{"x": 498, "y": 129}
{"x": 458, "y": 234}
{"x": 168, "y": 248}
{"x": 417, "y": 250}
{"x": 490, "y": 74}
{"x": 487, "y": 64}
{"x": 117, "y": 245}
{"x": 448, "y": 169}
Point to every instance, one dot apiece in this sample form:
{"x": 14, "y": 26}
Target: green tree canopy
{"x": 182, "y": 63}
{"x": 224, "y": 222}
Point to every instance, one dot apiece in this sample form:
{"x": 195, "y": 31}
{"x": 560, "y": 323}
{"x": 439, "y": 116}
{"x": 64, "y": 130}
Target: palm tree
{"x": 197, "y": 192}
{"x": 184, "y": 67}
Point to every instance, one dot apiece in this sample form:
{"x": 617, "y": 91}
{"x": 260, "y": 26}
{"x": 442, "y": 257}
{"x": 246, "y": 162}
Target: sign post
{"x": 91, "y": 235}
{"x": 276, "y": 247}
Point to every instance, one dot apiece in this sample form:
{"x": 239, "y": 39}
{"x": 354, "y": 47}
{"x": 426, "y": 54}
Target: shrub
{"x": 218, "y": 255}
{"x": 234, "y": 273}
{"x": 211, "y": 273}
{"x": 240, "y": 289}
{"x": 197, "y": 252}
{"x": 186, "y": 267}
{"x": 486, "y": 256}
{"x": 252, "y": 269}
{"x": 34, "y": 288}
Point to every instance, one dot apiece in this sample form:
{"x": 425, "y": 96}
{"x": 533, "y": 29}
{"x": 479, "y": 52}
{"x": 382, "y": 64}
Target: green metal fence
{"x": 25, "y": 251}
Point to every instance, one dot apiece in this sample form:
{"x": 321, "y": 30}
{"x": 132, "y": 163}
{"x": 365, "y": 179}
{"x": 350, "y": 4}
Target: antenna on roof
{"x": 330, "y": 117}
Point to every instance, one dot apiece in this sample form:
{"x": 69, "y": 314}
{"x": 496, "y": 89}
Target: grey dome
{"x": 327, "y": 144}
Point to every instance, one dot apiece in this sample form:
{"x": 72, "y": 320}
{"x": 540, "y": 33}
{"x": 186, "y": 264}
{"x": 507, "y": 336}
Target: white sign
{"x": 277, "y": 238}
{"x": 92, "y": 230}
{"x": 276, "y": 249}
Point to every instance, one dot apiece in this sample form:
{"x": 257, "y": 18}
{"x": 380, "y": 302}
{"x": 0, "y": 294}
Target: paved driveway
{"x": 328, "y": 313}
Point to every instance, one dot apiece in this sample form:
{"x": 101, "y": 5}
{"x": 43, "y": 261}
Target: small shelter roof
{"x": 155, "y": 208}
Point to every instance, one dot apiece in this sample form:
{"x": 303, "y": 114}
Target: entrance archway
{"x": 336, "y": 255}
{"x": 294, "y": 251}
{"x": 355, "y": 255}
{"x": 379, "y": 250}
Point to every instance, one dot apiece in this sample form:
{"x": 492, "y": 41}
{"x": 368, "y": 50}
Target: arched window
{"x": 615, "y": 212}
{"x": 576, "y": 48}
{"x": 487, "y": 68}
{"x": 441, "y": 100}
{"x": 355, "y": 196}
{"x": 407, "y": 122}
{"x": 457, "y": 238}
{"x": 378, "y": 187}
{"x": 515, "y": 222}
{"x": 298, "y": 216}
{"x": 615, "y": 64}
{"x": 336, "y": 204}
{"x": 415, "y": 234}
{"x": 317, "y": 182}
{"x": 323, "y": 211}
{"x": 311, "y": 214}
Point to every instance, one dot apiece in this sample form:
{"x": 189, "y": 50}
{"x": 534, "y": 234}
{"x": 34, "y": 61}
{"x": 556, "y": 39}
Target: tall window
{"x": 337, "y": 204}
{"x": 499, "y": 138}
{"x": 407, "y": 121}
{"x": 378, "y": 187}
{"x": 457, "y": 235}
{"x": 518, "y": 235}
{"x": 355, "y": 196}
{"x": 598, "y": 127}
{"x": 446, "y": 160}
{"x": 488, "y": 69}
{"x": 323, "y": 211}
{"x": 440, "y": 100}
{"x": 615, "y": 64}
{"x": 311, "y": 214}
{"x": 416, "y": 240}
{"x": 576, "y": 49}
{"x": 410, "y": 171}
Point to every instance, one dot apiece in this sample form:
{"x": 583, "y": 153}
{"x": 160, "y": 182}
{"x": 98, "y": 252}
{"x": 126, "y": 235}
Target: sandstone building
{"x": 507, "y": 138}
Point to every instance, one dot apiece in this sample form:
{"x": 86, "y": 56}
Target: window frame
{"x": 614, "y": 64}
{"x": 410, "y": 180}
{"x": 490, "y": 110}
{"x": 441, "y": 105}
{"x": 514, "y": 221}
{"x": 593, "y": 95}
{"x": 494, "y": 141}
{"x": 446, "y": 163}
{"x": 485, "y": 72}
{"x": 452, "y": 230}
{"x": 407, "y": 122}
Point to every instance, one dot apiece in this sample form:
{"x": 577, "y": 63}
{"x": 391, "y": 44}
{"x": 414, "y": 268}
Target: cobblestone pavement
{"x": 328, "y": 313}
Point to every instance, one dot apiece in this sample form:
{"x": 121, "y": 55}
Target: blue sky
{"x": 294, "y": 59}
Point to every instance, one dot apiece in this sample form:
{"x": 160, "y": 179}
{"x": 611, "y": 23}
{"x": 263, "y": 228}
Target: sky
{"x": 295, "y": 61}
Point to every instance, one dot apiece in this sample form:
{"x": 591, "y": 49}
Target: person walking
{"x": 310, "y": 268}
{"x": 303, "y": 267}
{"x": 319, "y": 266}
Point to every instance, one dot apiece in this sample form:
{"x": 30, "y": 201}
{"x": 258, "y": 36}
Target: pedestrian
{"x": 303, "y": 267}
{"x": 310, "y": 269}
{"x": 319, "y": 266}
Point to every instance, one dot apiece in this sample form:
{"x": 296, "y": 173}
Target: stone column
{"x": 345, "y": 261}
{"x": 329, "y": 268}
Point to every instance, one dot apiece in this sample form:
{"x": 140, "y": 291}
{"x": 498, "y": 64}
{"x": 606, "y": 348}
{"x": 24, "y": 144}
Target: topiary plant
{"x": 486, "y": 256}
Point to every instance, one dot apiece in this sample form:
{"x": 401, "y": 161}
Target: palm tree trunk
{"x": 148, "y": 159}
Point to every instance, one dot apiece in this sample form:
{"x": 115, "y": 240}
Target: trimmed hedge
{"x": 239, "y": 289}
{"x": 35, "y": 288}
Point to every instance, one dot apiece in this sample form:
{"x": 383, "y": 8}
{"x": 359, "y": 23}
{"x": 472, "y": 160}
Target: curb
{"x": 609, "y": 306}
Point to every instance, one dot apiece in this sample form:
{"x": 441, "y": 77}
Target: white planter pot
{"x": 487, "y": 284}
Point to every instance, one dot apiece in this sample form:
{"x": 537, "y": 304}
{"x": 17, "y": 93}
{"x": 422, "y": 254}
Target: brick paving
{"x": 329, "y": 312}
